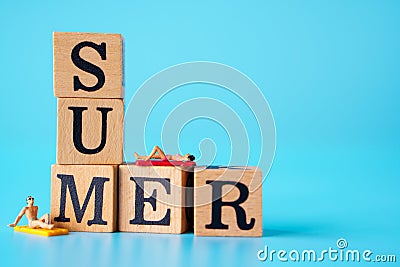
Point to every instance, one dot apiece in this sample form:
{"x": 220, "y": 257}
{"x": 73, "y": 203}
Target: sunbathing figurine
{"x": 157, "y": 153}
{"x": 31, "y": 213}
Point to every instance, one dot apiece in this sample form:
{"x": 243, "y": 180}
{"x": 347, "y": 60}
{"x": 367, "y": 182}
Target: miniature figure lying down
{"x": 31, "y": 213}
{"x": 157, "y": 153}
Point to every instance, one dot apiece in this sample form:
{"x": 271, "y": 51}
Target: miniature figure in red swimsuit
{"x": 157, "y": 153}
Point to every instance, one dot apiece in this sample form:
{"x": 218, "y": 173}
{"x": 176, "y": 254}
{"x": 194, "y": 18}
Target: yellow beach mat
{"x": 40, "y": 231}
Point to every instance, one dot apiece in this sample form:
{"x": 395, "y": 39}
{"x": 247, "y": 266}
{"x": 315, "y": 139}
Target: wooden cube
{"x": 227, "y": 201}
{"x": 84, "y": 197}
{"x": 152, "y": 199}
{"x": 88, "y": 65}
{"x": 90, "y": 131}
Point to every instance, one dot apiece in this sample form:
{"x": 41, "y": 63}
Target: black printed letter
{"x": 217, "y": 204}
{"x": 97, "y": 185}
{"x": 140, "y": 200}
{"x": 77, "y": 129}
{"x": 87, "y": 66}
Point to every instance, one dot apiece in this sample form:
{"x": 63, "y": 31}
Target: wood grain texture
{"x": 91, "y": 131}
{"x": 203, "y": 195}
{"x": 83, "y": 178}
{"x": 65, "y": 69}
{"x": 174, "y": 201}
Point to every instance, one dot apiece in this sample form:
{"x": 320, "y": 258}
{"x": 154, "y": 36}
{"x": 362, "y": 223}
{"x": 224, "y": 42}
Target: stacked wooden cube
{"x": 88, "y": 82}
{"x": 91, "y": 187}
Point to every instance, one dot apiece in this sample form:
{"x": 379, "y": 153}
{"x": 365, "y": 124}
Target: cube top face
{"x": 88, "y": 65}
{"x": 166, "y": 213}
{"x": 228, "y": 201}
{"x": 84, "y": 197}
{"x": 90, "y": 131}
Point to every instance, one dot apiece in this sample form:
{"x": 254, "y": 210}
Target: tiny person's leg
{"x": 37, "y": 223}
{"x": 139, "y": 157}
{"x": 160, "y": 153}
{"x": 151, "y": 153}
{"x": 45, "y": 218}
{"x": 155, "y": 153}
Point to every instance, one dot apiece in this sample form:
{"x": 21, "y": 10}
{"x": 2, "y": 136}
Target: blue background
{"x": 329, "y": 70}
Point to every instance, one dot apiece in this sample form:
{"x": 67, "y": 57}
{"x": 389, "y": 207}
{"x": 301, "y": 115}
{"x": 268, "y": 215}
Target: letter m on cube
{"x": 83, "y": 197}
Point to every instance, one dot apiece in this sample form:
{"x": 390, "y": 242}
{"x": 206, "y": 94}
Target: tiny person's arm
{"x": 22, "y": 212}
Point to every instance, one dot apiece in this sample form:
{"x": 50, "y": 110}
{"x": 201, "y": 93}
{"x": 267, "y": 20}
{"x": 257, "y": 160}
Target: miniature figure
{"x": 157, "y": 153}
{"x": 31, "y": 213}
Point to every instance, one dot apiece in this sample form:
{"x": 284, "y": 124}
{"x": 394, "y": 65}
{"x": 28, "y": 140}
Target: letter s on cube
{"x": 88, "y": 65}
